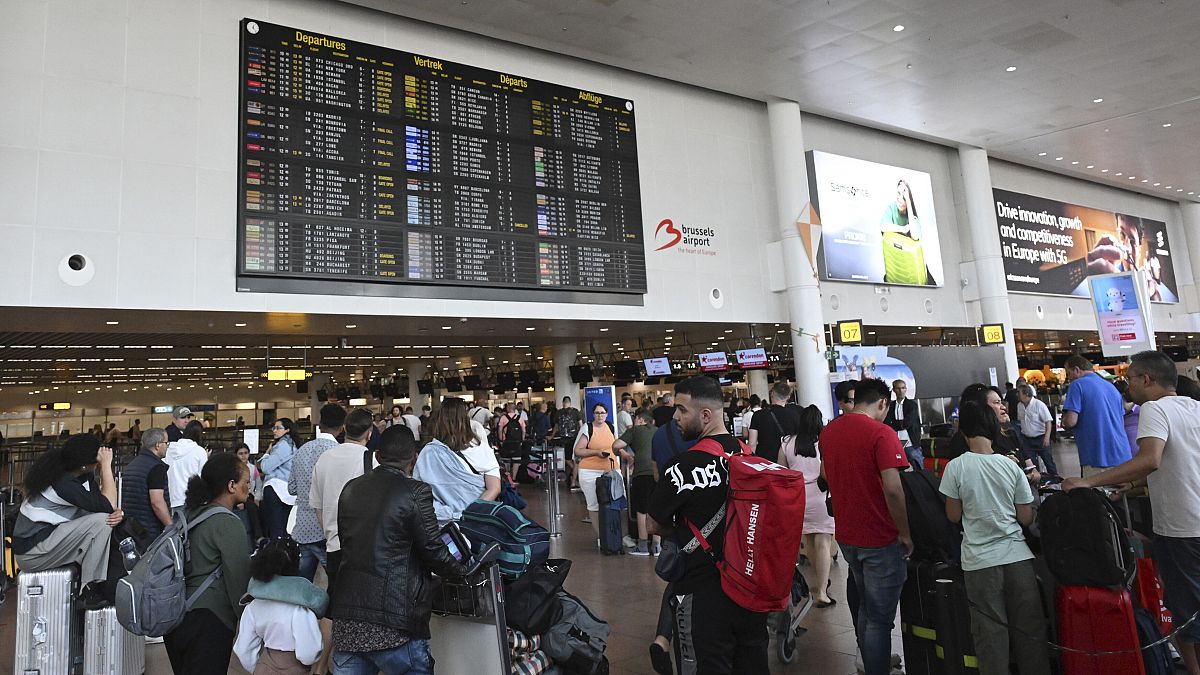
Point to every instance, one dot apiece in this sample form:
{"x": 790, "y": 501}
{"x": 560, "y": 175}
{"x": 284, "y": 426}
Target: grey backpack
{"x": 578, "y": 640}
{"x": 151, "y": 599}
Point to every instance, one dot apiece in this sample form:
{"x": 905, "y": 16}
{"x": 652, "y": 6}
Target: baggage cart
{"x": 468, "y": 627}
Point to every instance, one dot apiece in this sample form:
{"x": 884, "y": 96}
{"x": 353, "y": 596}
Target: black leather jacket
{"x": 390, "y": 544}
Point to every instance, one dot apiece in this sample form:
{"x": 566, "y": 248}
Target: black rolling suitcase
{"x": 935, "y": 621}
{"x": 610, "y": 494}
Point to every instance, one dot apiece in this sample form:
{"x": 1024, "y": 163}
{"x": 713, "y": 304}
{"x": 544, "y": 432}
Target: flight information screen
{"x": 366, "y": 164}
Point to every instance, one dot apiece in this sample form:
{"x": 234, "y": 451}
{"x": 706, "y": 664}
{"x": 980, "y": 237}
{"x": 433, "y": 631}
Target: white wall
{"x": 1070, "y": 313}
{"x": 118, "y": 140}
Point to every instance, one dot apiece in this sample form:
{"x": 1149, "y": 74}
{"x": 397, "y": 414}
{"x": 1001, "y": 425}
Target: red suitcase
{"x": 1095, "y": 619}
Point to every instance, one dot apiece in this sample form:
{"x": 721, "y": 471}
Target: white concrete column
{"x": 803, "y": 286}
{"x": 316, "y": 383}
{"x": 1190, "y": 297}
{"x": 564, "y": 358}
{"x": 417, "y": 371}
{"x": 984, "y": 234}
{"x": 756, "y": 382}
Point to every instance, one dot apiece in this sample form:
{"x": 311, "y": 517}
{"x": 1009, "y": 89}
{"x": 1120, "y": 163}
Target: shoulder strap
{"x": 777, "y": 424}
{"x": 215, "y": 575}
{"x": 463, "y": 457}
{"x": 367, "y": 462}
{"x": 708, "y": 445}
{"x": 700, "y": 537}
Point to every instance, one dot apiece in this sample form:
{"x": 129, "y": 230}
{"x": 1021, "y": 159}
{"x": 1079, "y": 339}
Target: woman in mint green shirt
{"x": 990, "y": 496}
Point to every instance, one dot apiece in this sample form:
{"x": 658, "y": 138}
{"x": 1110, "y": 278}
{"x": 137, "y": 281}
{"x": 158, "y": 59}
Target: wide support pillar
{"x": 984, "y": 233}
{"x": 802, "y": 285}
{"x": 417, "y": 372}
{"x": 564, "y": 358}
{"x": 1191, "y": 231}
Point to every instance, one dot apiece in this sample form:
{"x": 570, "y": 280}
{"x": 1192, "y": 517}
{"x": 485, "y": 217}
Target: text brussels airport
{"x": 1052, "y": 247}
{"x": 878, "y": 222}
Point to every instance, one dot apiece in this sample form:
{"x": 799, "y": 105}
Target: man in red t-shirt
{"x": 861, "y": 462}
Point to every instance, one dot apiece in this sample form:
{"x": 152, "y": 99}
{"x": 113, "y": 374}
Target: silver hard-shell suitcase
{"x": 49, "y": 639}
{"x": 109, "y": 649}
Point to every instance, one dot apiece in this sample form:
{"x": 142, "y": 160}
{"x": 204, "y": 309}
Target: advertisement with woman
{"x": 878, "y": 222}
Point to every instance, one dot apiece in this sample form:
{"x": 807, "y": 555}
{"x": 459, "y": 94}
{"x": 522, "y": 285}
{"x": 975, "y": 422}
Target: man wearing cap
{"x": 180, "y": 418}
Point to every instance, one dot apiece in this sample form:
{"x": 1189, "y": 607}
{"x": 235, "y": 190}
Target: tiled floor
{"x": 625, "y": 591}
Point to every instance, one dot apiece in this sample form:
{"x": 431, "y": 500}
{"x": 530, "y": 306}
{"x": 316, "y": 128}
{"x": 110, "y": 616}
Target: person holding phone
{"x": 594, "y": 448}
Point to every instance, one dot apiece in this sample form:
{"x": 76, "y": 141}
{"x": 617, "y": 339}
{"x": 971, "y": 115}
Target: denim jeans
{"x": 310, "y": 556}
{"x": 274, "y": 513}
{"x": 879, "y": 574}
{"x": 411, "y": 658}
{"x": 915, "y": 456}
{"x": 1035, "y": 451}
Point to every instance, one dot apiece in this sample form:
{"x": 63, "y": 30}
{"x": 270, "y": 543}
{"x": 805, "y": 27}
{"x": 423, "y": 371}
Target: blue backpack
{"x": 522, "y": 542}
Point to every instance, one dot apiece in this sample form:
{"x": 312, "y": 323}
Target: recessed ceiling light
{"x": 1010, "y": 69}
{"x": 1074, "y": 163}
{"x": 1168, "y": 187}
{"x": 446, "y": 327}
{"x": 670, "y": 330}
{"x": 603, "y": 330}
{"x": 1190, "y": 193}
{"x": 530, "y": 327}
{"x": 240, "y": 325}
{"x": 1091, "y": 166}
{"x": 1179, "y": 190}
{"x": 1132, "y": 177}
{"x": 1103, "y": 170}
{"x": 1119, "y": 174}
{"x": 1058, "y": 159}
{"x": 728, "y": 330}
{"x": 1157, "y": 184}
{"x": 1166, "y": 125}
{"x": 1041, "y": 154}
{"x": 1145, "y": 180}
{"x": 1097, "y": 100}
{"x": 897, "y": 28}
{"x": 112, "y": 323}
{"x": 351, "y": 325}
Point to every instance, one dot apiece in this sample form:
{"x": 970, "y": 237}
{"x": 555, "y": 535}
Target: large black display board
{"x": 359, "y": 163}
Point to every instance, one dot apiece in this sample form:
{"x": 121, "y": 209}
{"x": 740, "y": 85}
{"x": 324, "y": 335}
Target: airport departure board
{"x": 366, "y": 164}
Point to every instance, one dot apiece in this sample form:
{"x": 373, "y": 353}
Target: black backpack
{"x": 532, "y": 604}
{"x": 935, "y": 538}
{"x": 1083, "y": 541}
{"x": 1157, "y": 659}
{"x": 512, "y": 429}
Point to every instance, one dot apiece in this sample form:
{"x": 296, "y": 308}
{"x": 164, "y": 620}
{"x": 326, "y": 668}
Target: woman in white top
{"x": 276, "y": 467}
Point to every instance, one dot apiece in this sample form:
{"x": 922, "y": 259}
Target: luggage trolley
{"x": 468, "y": 630}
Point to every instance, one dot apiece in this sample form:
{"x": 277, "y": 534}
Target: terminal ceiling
{"x": 1071, "y": 86}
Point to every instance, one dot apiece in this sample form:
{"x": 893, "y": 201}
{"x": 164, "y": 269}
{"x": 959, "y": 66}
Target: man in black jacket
{"x": 390, "y": 544}
{"x": 904, "y": 416}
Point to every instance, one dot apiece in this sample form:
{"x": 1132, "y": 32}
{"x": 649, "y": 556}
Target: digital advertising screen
{"x": 1121, "y": 316}
{"x": 752, "y": 359}
{"x": 1052, "y": 247}
{"x": 714, "y": 362}
{"x": 877, "y": 222}
{"x": 657, "y": 367}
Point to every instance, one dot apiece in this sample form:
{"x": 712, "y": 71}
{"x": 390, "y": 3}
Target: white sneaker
{"x": 629, "y": 541}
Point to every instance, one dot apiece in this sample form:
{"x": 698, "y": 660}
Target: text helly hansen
{"x": 764, "y": 520}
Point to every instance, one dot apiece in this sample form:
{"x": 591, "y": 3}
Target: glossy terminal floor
{"x": 624, "y": 591}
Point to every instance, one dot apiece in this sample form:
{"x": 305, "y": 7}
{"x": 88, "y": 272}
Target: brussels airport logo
{"x": 684, "y": 239}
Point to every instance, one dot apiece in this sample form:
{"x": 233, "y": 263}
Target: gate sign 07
{"x": 848, "y": 332}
